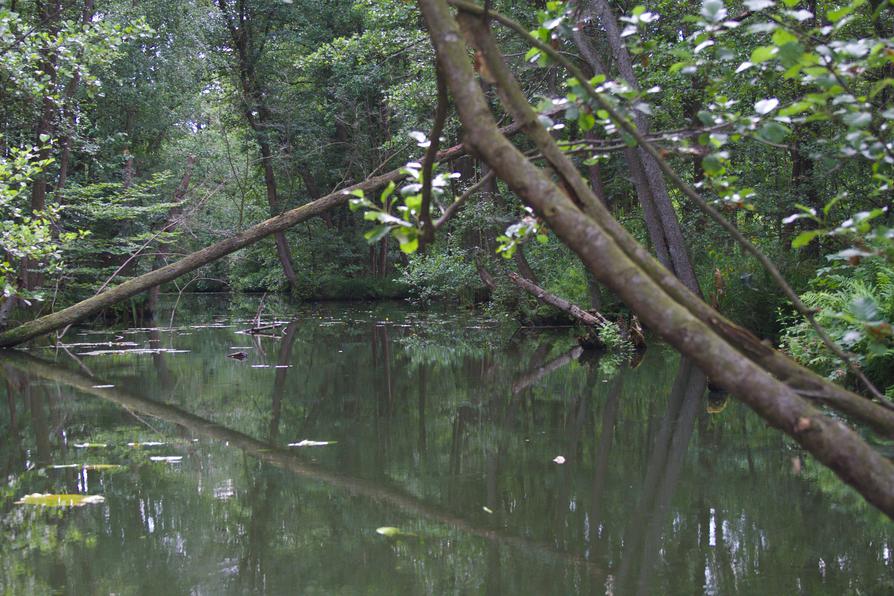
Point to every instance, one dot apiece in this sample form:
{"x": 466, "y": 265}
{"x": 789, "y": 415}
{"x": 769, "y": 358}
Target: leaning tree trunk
{"x": 658, "y": 212}
{"x": 259, "y": 119}
{"x": 600, "y": 244}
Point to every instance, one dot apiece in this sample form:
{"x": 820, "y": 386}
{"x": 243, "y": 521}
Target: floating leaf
{"x": 50, "y": 500}
{"x": 309, "y": 443}
{"x": 392, "y": 532}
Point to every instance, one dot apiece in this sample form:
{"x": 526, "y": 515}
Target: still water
{"x": 431, "y": 453}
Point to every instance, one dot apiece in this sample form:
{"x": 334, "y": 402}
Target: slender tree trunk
{"x": 69, "y": 113}
{"x": 661, "y": 220}
{"x": 50, "y": 19}
{"x": 169, "y": 226}
{"x": 259, "y": 119}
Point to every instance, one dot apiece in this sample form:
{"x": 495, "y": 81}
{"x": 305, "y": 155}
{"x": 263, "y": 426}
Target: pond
{"x": 383, "y": 449}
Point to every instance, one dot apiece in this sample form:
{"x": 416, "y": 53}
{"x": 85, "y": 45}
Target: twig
{"x": 451, "y": 209}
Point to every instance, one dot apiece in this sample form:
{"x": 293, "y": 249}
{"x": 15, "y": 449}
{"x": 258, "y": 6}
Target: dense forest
{"x": 720, "y": 170}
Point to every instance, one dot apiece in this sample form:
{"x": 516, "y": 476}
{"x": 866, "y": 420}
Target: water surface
{"x": 504, "y": 462}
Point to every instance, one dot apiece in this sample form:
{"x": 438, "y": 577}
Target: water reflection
{"x": 447, "y": 428}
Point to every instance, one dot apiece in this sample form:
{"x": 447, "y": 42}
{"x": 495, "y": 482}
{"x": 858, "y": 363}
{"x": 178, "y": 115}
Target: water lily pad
{"x": 50, "y": 500}
{"x": 309, "y": 443}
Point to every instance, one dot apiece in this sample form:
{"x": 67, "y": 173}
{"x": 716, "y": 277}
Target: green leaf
{"x": 773, "y": 132}
{"x": 837, "y": 14}
{"x": 410, "y": 246}
{"x": 805, "y": 238}
{"x": 377, "y": 233}
{"x": 782, "y": 36}
{"x": 762, "y": 54}
{"x": 795, "y": 108}
{"x": 389, "y": 190}
{"x": 586, "y": 121}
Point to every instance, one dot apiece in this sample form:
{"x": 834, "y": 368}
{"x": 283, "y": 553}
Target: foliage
{"x": 856, "y": 305}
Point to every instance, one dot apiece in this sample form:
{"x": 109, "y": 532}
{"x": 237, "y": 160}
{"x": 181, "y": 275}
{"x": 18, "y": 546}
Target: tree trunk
{"x": 259, "y": 119}
{"x": 570, "y": 309}
{"x": 660, "y": 218}
{"x": 170, "y": 225}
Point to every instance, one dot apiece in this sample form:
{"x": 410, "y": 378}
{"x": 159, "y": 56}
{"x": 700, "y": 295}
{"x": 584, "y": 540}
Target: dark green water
{"x": 446, "y": 427}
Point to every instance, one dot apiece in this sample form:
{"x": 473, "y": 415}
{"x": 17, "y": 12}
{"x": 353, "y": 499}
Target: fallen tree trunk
{"x": 571, "y": 309}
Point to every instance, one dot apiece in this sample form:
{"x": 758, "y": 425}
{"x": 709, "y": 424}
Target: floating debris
{"x": 308, "y": 443}
{"x": 271, "y": 366}
{"x": 103, "y": 386}
{"x": 90, "y": 445}
{"x": 87, "y": 467}
{"x": 392, "y": 532}
{"x": 167, "y": 459}
{"x": 238, "y": 355}
{"x": 147, "y": 444}
{"x": 559, "y": 459}
{"x": 50, "y": 500}
{"x": 134, "y": 351}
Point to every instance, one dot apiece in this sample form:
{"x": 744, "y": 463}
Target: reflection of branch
{"x": 280, "y": 458}
{"x": 531, "y": 377}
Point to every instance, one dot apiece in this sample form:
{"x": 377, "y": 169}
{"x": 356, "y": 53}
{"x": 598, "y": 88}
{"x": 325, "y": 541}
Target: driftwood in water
{"x": 569, "y": 308}
{"x": 633, "y": 331}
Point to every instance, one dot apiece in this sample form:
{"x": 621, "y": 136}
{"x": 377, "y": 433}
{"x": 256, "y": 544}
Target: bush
{"x": 856, "y": 306}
